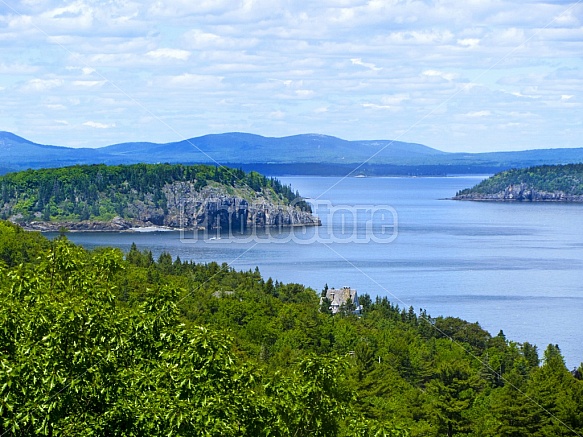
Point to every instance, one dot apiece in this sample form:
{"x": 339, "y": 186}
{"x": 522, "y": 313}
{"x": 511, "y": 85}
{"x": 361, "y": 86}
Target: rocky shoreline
{"x": 187, "y": 208}
{"x": 521, "y": 193}
{"x": 118, "y": 224}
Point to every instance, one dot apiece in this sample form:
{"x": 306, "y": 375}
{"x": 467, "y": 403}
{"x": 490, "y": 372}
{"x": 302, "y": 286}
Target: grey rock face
{"x": 522, "y": 193}
{"x": 117, "y": 224}
{"x": 211, "y": 207}
{"x": 214, "y": 208}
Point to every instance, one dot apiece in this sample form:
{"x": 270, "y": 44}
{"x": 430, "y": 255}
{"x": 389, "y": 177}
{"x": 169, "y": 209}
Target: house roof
{"x": 339, "y": 296}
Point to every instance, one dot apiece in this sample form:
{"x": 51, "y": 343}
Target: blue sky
{"x": 458, "y": 76}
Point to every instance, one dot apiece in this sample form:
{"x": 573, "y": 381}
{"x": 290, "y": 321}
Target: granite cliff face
{"x": 521, "y": 193}
{"x": 214, "y": 207}
{"x": 211, "y": 207}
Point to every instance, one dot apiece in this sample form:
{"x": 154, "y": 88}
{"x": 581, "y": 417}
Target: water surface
{"x": 511, "y": 266}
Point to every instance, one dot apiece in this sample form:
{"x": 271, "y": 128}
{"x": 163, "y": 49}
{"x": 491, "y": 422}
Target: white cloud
{"x": 477, "y": 114}
{"x": 188, "y": 80}
{"x": 166, "y": 53}
{"x": 358, "y": 61}
{"x": 98, "y": 125}
{"x": 376, "y": 106}
{"x": 527, "y": 96}
{"x": 511, "y": 37}
{"x": 277, "y": 115}
{"x": 41, "y": 85}
{"x": 567, "y": 18}
{"x": 469, "y": 42}
{"x": 423, "y": 37}
{"x": 89, "y": 83}
{"x": 510, "y": 125}
{"x": 85, "y": 70}
{"x": 304, "y": 94}
{"x": 286, "y": 82}
{"x": 395, "y": 99}
{"x": 19, "y": 68}
{"x": 440, "y": 74}
{"x": 201, "y": 40}
{"x": 336, "y": 65}
{"x": 185, "y": 8}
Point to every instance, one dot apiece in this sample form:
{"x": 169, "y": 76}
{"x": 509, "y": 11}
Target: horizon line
{"x": 288, "y": 136}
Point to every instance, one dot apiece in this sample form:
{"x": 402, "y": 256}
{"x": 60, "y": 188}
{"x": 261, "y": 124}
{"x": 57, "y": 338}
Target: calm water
{"x": 516, "y": 267}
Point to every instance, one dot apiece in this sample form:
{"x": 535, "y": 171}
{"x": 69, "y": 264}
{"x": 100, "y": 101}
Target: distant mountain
{"x": 529, "y": 158}
{"x": 242, "y": 148}
{"x": 18, "y": 153}
{"x": 297, "y": 154}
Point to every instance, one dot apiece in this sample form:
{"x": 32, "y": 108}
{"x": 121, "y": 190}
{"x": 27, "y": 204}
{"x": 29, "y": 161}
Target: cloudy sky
{"x": 474, "y": 75}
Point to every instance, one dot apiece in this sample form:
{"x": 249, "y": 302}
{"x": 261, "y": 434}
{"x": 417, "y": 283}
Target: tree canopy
{"x": 545, "y": 178}
{"x": 101, "y": 192}
{"x": 106, "y": 343}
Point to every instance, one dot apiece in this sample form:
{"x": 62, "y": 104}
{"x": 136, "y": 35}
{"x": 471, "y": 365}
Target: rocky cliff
{"x": 187, "y": 207}
{"x": 213, "y": 207}
{"x": 102, "y": 197}
{"x": 521, "y": 193}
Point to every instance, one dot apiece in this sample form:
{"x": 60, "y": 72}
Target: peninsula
{"x": 547, "y": 183}
{"x": 126, "y": 197}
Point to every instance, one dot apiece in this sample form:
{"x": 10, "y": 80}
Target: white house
{"x": 340, "y": 296}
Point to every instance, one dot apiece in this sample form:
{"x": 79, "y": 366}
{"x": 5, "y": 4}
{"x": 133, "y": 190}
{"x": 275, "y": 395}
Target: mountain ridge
{"x": 324, "y": 155}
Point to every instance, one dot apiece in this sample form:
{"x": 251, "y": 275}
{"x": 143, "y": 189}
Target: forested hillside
{"x": 140, "y": 194}
{"x": 106, "y": 343}
{"x": 542, "y": 183}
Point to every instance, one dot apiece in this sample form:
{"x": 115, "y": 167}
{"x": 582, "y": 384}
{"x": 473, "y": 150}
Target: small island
{"x": 547, "y": 183}
{"x": 165, "y": 196}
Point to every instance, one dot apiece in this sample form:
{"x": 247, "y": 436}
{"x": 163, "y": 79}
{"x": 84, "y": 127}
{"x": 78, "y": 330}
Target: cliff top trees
{"x": 100, "y": 192}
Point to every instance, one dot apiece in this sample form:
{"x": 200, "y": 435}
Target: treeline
{"x": 106, "y": 343}
{"x": 549, "y": 178}
{"x": 370, "y": 170}
{"x": 100, "y": 192}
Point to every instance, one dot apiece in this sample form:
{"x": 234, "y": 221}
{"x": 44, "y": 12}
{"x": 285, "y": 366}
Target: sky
{"x": 469, "y": 76}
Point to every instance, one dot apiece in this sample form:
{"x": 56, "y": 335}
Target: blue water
{"x": 515, "y": 267}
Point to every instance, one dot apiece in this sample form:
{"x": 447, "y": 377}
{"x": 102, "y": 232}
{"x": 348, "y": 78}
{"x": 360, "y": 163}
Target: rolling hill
{"x": 546, "y": 183}
{"x": 298, "y": 154}
{"x": 242, "y": 148}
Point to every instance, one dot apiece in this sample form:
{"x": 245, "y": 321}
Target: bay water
{"x": 516, "y": 267}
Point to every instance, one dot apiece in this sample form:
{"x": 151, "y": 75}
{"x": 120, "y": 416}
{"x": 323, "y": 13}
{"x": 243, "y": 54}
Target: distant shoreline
{"x": 493, "y": 200}
{"x": 94, "y": 226}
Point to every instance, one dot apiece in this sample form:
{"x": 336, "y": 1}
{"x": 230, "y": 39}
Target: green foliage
{"x": 95, "y": 343}
{"x": 74, "y": 360}
{"x": 101, "y": 192}
{"x": 550, "y": 178}
{"x": 17, "y": 246}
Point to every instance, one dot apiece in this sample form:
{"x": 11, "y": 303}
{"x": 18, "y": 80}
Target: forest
{"x": 567, "y": 179}
{"x": 108, "y": 343}
{"x": 101, "y": 192}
